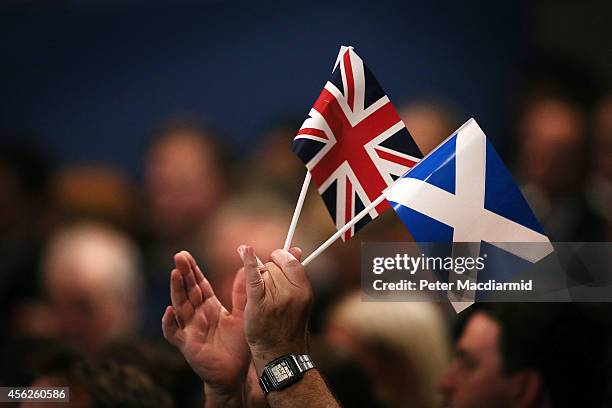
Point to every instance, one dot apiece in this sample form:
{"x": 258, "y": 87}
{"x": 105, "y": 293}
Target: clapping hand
{"x": 210, "y": 337}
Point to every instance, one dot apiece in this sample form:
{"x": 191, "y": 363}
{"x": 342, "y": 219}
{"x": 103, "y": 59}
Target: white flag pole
{"x": 297, "y": 211}
{"x": 259, "y": 263}
{"x": 342, "y": 230}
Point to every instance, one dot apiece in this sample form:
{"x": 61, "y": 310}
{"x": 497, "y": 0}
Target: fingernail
{"x": 240, "y": 250}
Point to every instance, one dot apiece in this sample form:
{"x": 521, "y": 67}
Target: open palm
{"x": 209, "y": 336}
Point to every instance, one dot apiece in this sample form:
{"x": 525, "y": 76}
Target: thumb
{"x": 296, "y": 252}
{"x": 239, "y": 296}
{"x": 254, "y": 283}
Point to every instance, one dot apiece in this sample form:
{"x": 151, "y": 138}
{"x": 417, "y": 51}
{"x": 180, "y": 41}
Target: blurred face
{"x": 86, "y": 282}
{"x": 475, "y": 378}
{"x": 552, "y": 136}
{"x": 182, "y": 182}
{"x": 87, "y": 314}
{"x": 265, "y": 235}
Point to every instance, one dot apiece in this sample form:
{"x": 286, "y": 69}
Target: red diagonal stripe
{"x": 377, "y": 122}
{"x": 350, "y": 81}
{"x": 312, "y": 132}
{"x": 395, "y": 159}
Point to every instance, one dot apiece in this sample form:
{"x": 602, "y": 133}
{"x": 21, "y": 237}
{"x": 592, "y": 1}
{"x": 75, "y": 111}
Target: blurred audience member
{"x": 402, "y": 347}
{"x": 429, "y": 123}
{"x": 552, "y": 165}
{"x": 97, "y": 384}
{"x": 600, "y": 186}
{"x": 184, "y": 184}
{"x": 92, "y": 283}
{"x": 527, "y": 355}
{"x": 165, "y": 365}
{"x": 94, "y": 191}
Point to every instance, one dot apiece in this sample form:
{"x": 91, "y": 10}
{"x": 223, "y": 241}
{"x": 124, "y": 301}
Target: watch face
{"x": 281, "y": 372}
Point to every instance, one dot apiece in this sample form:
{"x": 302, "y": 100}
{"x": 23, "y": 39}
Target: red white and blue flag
{"x": 354, "y": 143}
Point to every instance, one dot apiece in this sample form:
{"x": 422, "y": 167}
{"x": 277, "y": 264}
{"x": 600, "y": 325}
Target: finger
{"x": 194, "y": 293}
{"x": 254, "y": 283}
{"x": 291, "y": 267}
{"x": 194, "y": 266}
{"x": 239, "y": 296}
{"x": 274, "y": 280}
{"x": 296, "y": 252}
{"x": 206, "y": 289}
{"x": 170, "y": 327}
{"x": 182, "y": 306}
{"x": 203, "y": 283}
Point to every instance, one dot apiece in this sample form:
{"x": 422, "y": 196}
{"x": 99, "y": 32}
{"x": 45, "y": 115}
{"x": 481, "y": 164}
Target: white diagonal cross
{"x": 464, "y": 211}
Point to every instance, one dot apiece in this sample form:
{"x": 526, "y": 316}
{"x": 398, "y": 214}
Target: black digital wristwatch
{"x": 284, "y": 371}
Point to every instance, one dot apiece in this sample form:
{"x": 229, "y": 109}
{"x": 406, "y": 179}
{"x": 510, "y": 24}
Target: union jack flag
{"x": 354, "y": 143}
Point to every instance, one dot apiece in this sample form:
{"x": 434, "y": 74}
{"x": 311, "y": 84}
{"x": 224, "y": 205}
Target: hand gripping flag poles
{"x": 354, "y": 145}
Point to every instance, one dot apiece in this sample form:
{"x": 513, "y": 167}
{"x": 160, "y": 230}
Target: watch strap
{"x": 303, "y": 361}
{"x": 264, "y": 383}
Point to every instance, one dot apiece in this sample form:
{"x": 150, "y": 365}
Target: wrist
{"x": 217, "y": 397}
{"x": 264, "y": 355}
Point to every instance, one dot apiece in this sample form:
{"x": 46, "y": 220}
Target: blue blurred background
{"x": 88, "y": 78}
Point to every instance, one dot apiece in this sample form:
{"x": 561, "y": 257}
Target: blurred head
{"x": 259, "y": 218}
{"x": 552, "y": 139}
{"x": 91, "y": 278}
{"x": 429, "y": 123}
{"x": 475, "y": 377}
{"x": 97, "y": 384}
{"x": 182, "y": 179}
{"x": 526, "y": 355}
{"x": 402, "y": 347}
{"x": 165, "y": 365}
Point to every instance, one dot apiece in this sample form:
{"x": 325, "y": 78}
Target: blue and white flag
{"x": 463, "y": 192}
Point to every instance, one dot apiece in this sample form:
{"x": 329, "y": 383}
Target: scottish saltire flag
{"x": 354, "y": 143}
{"x": 463, "y": 192}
